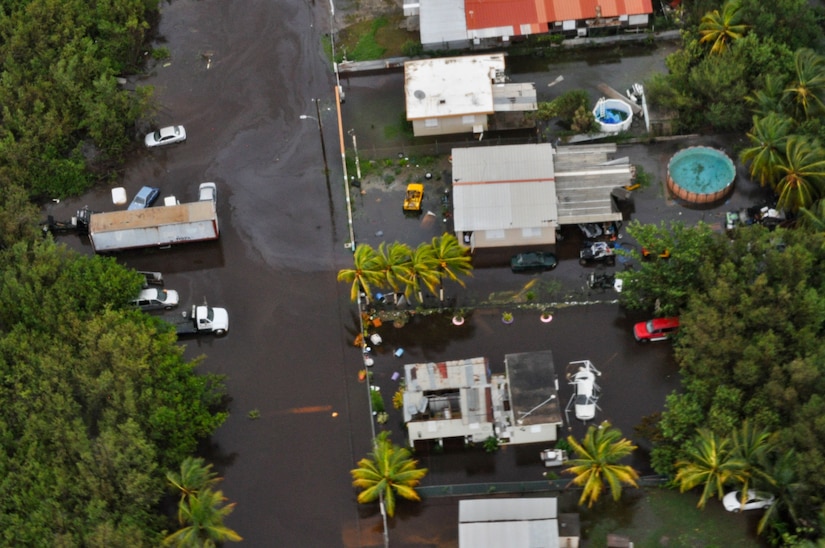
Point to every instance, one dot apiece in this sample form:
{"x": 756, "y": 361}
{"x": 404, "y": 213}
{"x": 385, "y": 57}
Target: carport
{"x": 518, "y": 195}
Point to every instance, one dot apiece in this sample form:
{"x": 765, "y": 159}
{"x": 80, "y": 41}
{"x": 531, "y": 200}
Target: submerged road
{"x": 240, "y": 78}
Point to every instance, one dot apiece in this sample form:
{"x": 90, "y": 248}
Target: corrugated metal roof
{"x": 516, "y": 523}
{"x": 442, "y": 21}
{"x": 567, "y": 10}
{"x": 507, "y": 509}
{"x": 503, "y": 187}
{"x": 482, "y": 14}
{"x": 451, "y": 86}
{"x": 520, "y": 186}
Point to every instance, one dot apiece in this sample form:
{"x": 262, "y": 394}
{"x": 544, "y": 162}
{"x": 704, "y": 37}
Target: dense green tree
{"x": 387, "y": 471}
{"x": 721, "y": 28}
{"x": 666, "y": 284}
{"x": 62, "y": 108}
{"x": 597, "y": 463}
{"x": 97, "y": 401}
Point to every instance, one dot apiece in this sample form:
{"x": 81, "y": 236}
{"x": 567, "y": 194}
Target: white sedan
{"x": 157, "y": 299}
{"x": 755, "y": 500}
{"x": 165, "y": 136}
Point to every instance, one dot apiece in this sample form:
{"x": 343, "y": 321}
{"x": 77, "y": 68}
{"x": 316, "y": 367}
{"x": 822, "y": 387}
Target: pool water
{"x": 612, "y": 116}
{"x": 700, "y": 175}
{"x": 702, "y": 170}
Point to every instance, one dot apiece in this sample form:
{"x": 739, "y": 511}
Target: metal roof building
{"x": 459, "y": 94}
{"x": 453, "y": 24}
{"x": 535, "y": 412}
{"x": 518, "y": 195}
{"x": 515, "y": 523}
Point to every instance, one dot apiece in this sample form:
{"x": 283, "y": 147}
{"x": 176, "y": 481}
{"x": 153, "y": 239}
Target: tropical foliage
{"x": 398, "y": 267}
{"x": 597, "y": 463}
{"x": 750, "y": 351}
{"x": 62, "y": 103}
{"x": 387, "y": 472}
{"x": 721, "y": 28}
{"x": 97, "y": 402}
{"x": 201, "y": 510}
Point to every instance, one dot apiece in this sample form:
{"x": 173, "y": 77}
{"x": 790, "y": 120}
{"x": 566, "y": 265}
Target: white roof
{"x": 516, "y": 523}
{"x": 503, "y": 187}
{"x": 451, "y": 86}
{"x": 442, "y": 21}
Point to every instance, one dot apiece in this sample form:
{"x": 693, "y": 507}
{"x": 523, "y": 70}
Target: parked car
{"x": 208, "y": 191}
{"x": 144, "y": 198}
{"x": 165, "y": 136}
{"x": 657, "y": 329}
{"x": 157, "y": 299}
{"x": 597, "y": 252}
{"x": 413, "y": 197}
{"x": 755, "y": 500}
{"x": 533, "y": 261}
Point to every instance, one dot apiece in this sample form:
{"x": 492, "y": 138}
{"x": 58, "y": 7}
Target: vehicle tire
{"x": 735, "y": 510}
{"x": 220, "y": 332}
{"x": 611, "y": 261}
{"x": 168, "y": 307}
{"x": 583, "y": 262}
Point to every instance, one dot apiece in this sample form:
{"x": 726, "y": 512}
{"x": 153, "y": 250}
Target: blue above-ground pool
{"x": 700, "y": 175}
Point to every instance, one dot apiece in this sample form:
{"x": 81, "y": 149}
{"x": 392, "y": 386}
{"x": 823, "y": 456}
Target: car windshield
{"x": 157, "y": 135}
{"x": 162, "y": 296}
{"x": 649, "y": 326}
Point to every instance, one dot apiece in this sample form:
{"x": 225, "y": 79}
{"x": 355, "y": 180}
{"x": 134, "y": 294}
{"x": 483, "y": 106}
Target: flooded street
{"x": 239, "y": 79}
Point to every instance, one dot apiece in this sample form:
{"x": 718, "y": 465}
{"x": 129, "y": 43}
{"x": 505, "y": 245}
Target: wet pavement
{"x": 239, "y": 80}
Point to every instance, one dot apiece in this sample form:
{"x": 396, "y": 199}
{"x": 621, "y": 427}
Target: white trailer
{"x": 151, "y": 227}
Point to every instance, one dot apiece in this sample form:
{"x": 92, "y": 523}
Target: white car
{"x": 755, "y": 500}
{"x": 165, "y": 136}
{"x": 157, "y": 299}
{"x": 584, "y": 400}
{"x": 207, "y": 192}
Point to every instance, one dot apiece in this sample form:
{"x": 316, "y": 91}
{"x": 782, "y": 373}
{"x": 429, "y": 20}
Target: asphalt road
{"x": 239, "y": 80}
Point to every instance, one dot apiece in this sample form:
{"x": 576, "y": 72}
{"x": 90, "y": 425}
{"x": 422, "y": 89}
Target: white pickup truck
{"x": 202, "y": 319}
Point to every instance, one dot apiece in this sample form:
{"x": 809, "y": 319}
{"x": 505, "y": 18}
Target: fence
{"x": 499, "y": 488}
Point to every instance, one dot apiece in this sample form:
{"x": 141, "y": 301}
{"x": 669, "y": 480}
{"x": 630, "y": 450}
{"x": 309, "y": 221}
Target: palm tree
{"x": 453, "y": 260}
{"x": 423, "y": 272}
{"x": 194, "y": 475}
{"x": 388, "y": 471}
{"x": 802, "y": 174}
{"x": 366, "y": 272}
{"x": 753, "y": 446}
{"x": 202, "y": 516}
{"x": 596, "y": 462}
{"x": 769, "y": 137}
{"x": 770, "y": 99}
{"x": 813, "y": 218}
{"x": 808, "y": 90}
{"x": 709, "y": 462}
{"x": 395, "y": 263}
{"x": 785, "y": 485}
{"x": 722, "y": 28}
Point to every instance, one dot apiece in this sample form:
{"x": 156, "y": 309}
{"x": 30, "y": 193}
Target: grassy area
{"x": 375, "y": 39}
{"x": 653, "y": 518}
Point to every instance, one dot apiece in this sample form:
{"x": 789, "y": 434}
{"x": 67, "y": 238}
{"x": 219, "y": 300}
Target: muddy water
{"x": 240, "y": 77}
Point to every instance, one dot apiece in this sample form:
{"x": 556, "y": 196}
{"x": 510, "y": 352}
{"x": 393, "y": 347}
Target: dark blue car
{"x": 145, "y": 197}
{"x": 536, "y": 261}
